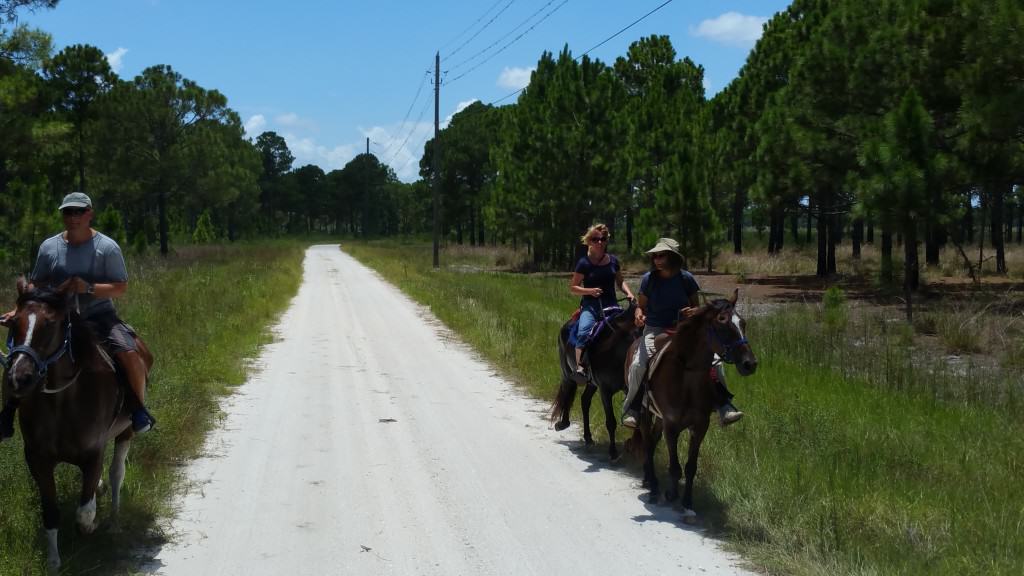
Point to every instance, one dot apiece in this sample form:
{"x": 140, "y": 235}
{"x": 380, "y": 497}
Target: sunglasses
{"x": 596, "y": 239}
{"x": 74, "y": 211}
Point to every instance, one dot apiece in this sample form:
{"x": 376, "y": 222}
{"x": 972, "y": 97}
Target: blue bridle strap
{"x": 726, "y": 348}
{"x": 42, "y": 366}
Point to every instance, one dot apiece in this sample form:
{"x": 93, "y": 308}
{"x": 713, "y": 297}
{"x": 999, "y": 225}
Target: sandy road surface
{"x": 369, "y": 442}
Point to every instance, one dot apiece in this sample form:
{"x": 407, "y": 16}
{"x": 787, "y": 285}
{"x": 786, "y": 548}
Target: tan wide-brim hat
{"x": 666, "y": 245}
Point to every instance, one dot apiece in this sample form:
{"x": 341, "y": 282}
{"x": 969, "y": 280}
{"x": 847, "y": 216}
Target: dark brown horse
{"x": 606, "y": 355}
{"x": 71, "y": 403}
{"x": 680, "y": 392}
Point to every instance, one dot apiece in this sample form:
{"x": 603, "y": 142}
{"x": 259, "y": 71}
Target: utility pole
{"x": 437, "y": 158}
{"x": 367, "y": 145}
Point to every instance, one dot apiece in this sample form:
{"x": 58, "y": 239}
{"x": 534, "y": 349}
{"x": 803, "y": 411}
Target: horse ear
{"x": 22, "y": 285}
{"x": 735, "y": 296}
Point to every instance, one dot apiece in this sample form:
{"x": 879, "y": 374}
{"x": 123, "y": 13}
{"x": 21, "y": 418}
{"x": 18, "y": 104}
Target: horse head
{"x": 39, "y": 336}
{"x": 726, "y": 337}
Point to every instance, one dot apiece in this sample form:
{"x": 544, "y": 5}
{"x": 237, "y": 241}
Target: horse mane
{"x": 688, "y": 330}
{"x": 44, "y": 295}
{"x": 83, "y": 341}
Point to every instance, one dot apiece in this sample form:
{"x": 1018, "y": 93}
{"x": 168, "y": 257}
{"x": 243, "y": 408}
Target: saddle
{"x": 662, "y": 346}
{"x": 609, "y": 314}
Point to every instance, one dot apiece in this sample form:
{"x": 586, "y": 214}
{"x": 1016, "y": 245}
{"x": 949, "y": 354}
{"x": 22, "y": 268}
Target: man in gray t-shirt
{"x": 89, "y": 264}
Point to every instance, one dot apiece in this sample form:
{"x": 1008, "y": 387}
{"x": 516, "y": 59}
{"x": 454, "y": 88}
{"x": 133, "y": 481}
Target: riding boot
{"x": 727, "y": 412}
{"x": 7, "y": 419}
{"x": 631, "y": 407}
{"x": 135, "y": 372}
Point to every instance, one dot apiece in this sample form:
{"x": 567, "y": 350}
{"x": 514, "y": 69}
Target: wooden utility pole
{"x": 437, "y": 158}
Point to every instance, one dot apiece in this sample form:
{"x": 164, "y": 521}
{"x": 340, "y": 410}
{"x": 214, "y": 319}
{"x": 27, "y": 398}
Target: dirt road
{"x": 369, "y": 441}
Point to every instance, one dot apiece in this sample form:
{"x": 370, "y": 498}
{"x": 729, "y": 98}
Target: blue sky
{"x": 326, "y": 75}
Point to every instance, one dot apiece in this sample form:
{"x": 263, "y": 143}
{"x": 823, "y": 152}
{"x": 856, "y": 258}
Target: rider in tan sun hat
{"x": 666, "y": 293}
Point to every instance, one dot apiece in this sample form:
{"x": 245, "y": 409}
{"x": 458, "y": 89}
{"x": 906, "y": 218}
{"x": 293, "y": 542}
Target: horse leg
{"x": 585, "y": 400}
{"x": 116, "y": 474}
{"x": 86, "y": 514}
{"x": 610, "y": 423}
{"x": 42, "y": 473}
{"x": 675, "y": 471}
{"x": 696, "y": 438}
{"x": 652, "y": 436}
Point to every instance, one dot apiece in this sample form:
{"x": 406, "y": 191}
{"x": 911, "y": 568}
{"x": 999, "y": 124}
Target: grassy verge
{"x": 857, "y": 456}
{"x": 202, "y": 311}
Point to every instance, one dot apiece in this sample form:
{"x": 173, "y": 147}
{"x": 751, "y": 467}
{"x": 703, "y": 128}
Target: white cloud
{"x": 731, "y": 28}
{"x": 514, "y": 78}
{"x": 116, "y": 59}
{"x": 296, "y": 122}
{"x": 458, "y": 108}
{"x": 387, "y": 143}
{"x": 255, "y": 125}
{"x": 308, "y": 151}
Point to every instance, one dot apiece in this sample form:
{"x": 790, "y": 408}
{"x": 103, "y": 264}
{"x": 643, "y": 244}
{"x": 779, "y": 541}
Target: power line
{"x": 489, "y": 22}
{"x": 634, "y": 23}
{"x": 411, "y": 131}
{"x": 506, "y": 35}
{"x": 401, "y": 127}
{"x": 514, "y": 40}
{"x": 470, "y": 27}
{"x": 595, "y": 47}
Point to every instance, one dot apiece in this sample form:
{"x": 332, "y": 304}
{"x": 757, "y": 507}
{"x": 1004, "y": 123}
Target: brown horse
{"x": 72, "y": 403}
{"x": 606, "y": 356}
{"x": 680, "y": 394}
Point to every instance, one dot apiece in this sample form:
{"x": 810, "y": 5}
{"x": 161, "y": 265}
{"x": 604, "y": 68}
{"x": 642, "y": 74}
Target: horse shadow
{"x": 713, "y": 520}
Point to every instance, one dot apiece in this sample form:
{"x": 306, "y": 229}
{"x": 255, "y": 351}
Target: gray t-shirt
{"x": 97, "y": 261}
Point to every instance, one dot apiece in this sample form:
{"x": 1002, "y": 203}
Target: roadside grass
{"x": 861, "y": 453}
{"x": 203, "y": 311}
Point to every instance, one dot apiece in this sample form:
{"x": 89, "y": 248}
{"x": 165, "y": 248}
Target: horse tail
{"x": 563, "y": 401}
{"x": 567, "y": 389}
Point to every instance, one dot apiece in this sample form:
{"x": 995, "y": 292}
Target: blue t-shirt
{"x": 602, "y": 277}
{"x": 97, "y": 261}
{"x": 667, "y": 296}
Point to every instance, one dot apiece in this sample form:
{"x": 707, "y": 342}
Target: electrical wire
{"x": 471, "y": 26}
{"x": 514, "y": 40}
{"x": 595, "y": 47}
{"x": 401, "y": 127}
{"x": 506, "y": 35}
{"x": 411, "y": 131}
{"x": 485, "y": 26}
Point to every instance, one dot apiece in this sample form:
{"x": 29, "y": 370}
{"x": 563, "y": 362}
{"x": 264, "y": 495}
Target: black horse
{"x": 72, "y": 403}
{"x": 606, "y": 354}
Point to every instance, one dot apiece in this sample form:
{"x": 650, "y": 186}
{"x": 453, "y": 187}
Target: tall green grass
{"x": 859, "y": 454}
{"x": 202, "y": 311}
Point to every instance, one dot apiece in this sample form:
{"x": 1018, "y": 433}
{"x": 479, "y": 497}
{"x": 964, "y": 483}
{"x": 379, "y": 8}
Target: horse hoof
{"x": 689, "y": 516}
{"x": 559, "y": 426}
{"x": 588, "y": 441}
{"x": 652, "y": 498}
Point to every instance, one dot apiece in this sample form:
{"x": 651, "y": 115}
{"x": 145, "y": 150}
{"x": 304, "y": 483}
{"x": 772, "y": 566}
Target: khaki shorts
{"x": 112, "y": 332}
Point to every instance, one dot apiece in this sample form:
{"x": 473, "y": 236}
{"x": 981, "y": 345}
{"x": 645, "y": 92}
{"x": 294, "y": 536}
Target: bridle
{"x": 42, "y": 365}
{"x": 727, "y": 348}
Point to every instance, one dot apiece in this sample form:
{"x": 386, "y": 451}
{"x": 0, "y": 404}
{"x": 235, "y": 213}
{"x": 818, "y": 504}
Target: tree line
{"x": 162, "y": 157}
{"x": 893, "y": 122}
{"x": 869, "y": 121}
